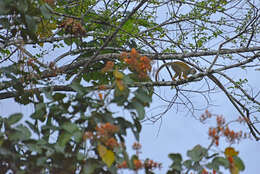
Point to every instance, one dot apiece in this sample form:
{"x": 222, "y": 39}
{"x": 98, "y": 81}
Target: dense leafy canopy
{"x": 80, "y": 62}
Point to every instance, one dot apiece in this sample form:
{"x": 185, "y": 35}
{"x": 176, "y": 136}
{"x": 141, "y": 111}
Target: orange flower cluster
{"x": 111, "y": 142}
{"x": 223, "y": 130}
{"x": 87, "y": 135}
{"x": 220, "y": 121}
{"x": 103, "y": 133}
{"x": 106, "y": 129}
{"x": 232, "y": 136}
{"x": 204, "y": 171}
{"x": 137, "y": 146}
{"x": 231, "y": 163}
{"x": 123, "y": 165}
{"x": 108, "y": 67}
{"x": 150, "y": 164}
{"x": 205, "y": 116}
{"x": 72, "y": 26}
{"x": 102, "y": 87}
{"x": 230, "y": 160}
{"x": 214, "y": 134}
{"x": 138, "y": 64}
{"x": 100, "y": 96}
{"x": 137, "y": 164}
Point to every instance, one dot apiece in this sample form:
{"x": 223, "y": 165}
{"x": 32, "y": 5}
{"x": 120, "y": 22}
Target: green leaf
{"x": 58, "y": 148}
{"x": 45, "y": 10}
{"x": 1, "y": 122}
{"x": 142, "y": 95}
{"x": 40, "y": 112}
{"x": 220, "y": 161}
{"x": 140, "y": 109}
{"x": 31, "y": 23}
{"x": 63, "y": 138}
{"x": 80, "y": 156}
{"x": 123, "y": 125}
{"x": 32, "y": 126}
{"x": 14, "y": 118}
{"x": 68, "y": 41}
{"x": 120, "y": 97}
{"x": 197, "y": 153}
{"x": 128, "y": 80}
{"x": 22, "y": 6}
{"x": 48, "y": 94}
{"x": 176, "y": 158}
{"x": 3, "y": 9}
{"x": 138, "y": 125}
{"x": 20, "y": 133}
{"x": 76, "y": 86}
{"x": 239, "y": 163}
{"x": 187, "y": 164}
{"x": 59, "y": 96}
{"x": 90, "y": 166}
{"x": 41, "y": 161}
{"x": 26, "y": 134}
{"x": 77, "y": 136}
{"x": 35, "y": 148}
{"x": 70, "y": 127}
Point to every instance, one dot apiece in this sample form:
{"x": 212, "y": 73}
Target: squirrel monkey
{"x": 180, "y": 68}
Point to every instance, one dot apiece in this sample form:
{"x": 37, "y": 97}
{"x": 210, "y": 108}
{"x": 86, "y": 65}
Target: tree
{"x": 108, "y": 53}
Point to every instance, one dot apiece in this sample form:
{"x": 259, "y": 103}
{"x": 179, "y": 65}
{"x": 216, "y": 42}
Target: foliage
{"x": 109, "y": 49}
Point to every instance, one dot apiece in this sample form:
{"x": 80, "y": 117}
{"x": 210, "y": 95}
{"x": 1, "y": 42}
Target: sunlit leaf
{"x": 118, "y": 75}
{"x": 108, "y": 157}
{"x": 120, "y": 84}
{"x": 230, "y": 151}
{"x": 101, "y": 150}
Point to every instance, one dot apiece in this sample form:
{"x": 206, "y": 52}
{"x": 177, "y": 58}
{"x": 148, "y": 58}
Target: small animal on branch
{"x": 180, "y": 69}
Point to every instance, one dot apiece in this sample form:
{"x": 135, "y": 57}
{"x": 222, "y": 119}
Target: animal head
{"x": 192, "y": 71}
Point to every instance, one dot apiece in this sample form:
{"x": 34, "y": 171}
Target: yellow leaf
{"x": 107, "y": 156}
{"x": 120, "y": 84}
{"x": 118, "y": 75}
{"x": 101, "y": 150}
{"x": 230, "y": 151}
